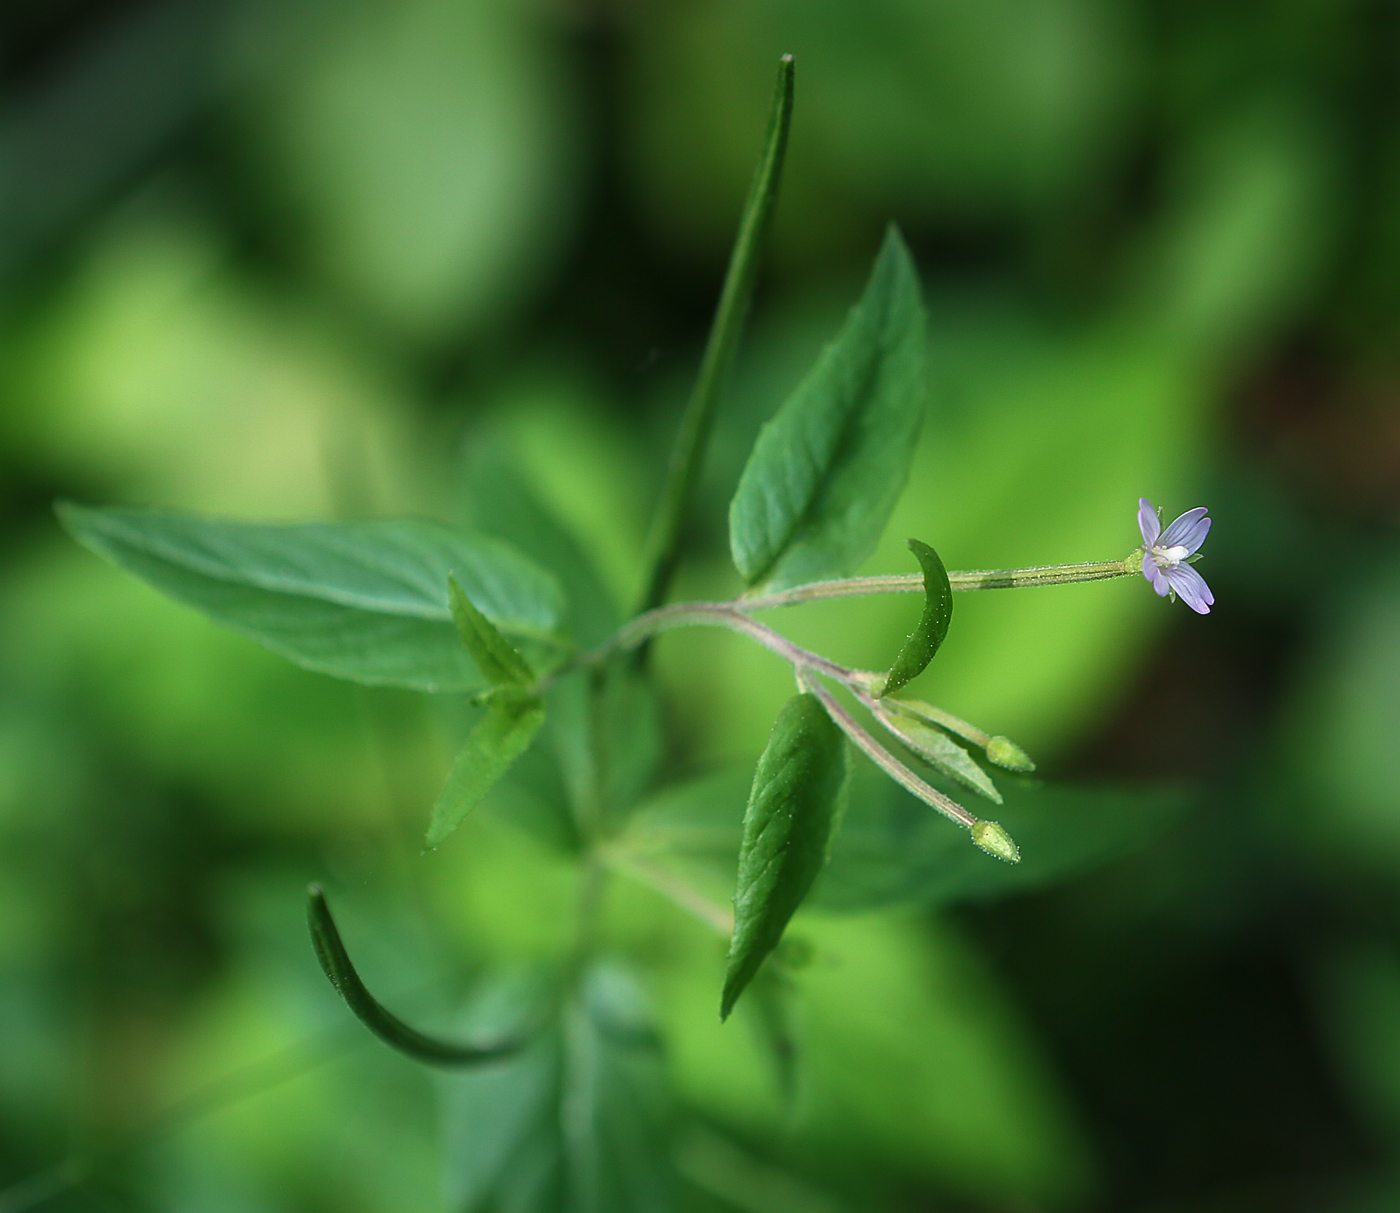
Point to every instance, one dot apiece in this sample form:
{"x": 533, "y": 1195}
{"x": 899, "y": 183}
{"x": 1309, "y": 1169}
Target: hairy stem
{"x": 972, "y": 579}
{"x": 721, "y": 615}
{"x": 734, "y": 299}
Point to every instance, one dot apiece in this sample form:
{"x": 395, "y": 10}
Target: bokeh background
{"x": 292, "y": 259}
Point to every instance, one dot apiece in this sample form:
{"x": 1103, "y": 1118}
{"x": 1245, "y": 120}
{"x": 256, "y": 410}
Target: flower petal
{"x": 1148, "y": 523}
{"x": 1192, "y": 587}
{"x": 1191, "y": 526}
{"x": 1154, "y": 575}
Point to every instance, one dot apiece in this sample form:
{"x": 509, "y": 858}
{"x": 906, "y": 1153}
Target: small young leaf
{"x": 940, "y": 751}
{"x": 498, "y": 662}
{"x": 919, "y": 649}
{"x": 496, "y": 741}
{"x": 360, "y": 600}
{"x": 1000, "y": 750}
{"x": 798, "y": 790}
{"x": 826, "y": 471}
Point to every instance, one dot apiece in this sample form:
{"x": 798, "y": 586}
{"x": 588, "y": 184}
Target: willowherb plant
{"x": 419, "y": 605}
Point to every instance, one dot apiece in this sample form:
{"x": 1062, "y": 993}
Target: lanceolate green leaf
{"x": 797, "y": 792}
{"x": 498, "y": 662}
{"x": 360, "y": 600}
{"x": 826, "y": 471}
{"x": 919, "y": 649}
{"x": 512, "y": 719}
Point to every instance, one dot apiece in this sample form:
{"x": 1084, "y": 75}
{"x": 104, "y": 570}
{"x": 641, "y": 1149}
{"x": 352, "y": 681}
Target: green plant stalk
{"x": 715, "y": 615}
{"x": 680, "y": 894}
{"x": 735, "y": 616}
{"x": 962, "y": 580}
{"x": 684, "y": 469}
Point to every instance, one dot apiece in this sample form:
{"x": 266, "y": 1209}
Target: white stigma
{"x": 1169, "y": 558}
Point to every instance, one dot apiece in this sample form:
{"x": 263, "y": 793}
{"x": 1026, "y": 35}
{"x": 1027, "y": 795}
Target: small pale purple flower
{"x": 1165, "y": 553}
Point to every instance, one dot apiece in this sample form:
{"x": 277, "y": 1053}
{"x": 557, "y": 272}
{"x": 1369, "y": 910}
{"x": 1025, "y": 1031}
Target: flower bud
{"x": 1008, "y": 754}
{"x": 995, "y": 841}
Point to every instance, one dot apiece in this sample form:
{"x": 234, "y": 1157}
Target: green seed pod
{"x": 995, "y": 841}
{"x": 1008, "y": 754}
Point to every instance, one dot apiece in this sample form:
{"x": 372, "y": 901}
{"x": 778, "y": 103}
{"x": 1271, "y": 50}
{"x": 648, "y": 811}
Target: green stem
{"x": 717, "y": 615}
{"x": 684, "y": 469}
{"x": 656, "y": 878}
{"x": 973, "y": 579}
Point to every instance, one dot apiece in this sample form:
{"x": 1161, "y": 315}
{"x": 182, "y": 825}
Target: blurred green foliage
{"x": 456, "y": 258}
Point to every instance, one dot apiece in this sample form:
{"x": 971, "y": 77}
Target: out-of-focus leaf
{"x": 894, "y": 849}
{"x": 797, "y": 794}
{"x": 498, "y": 662}
{"x": 1338, "y": 765}
{"x": 1360, "y": 995}
{"x": 579, "y": 1121}
{"x": 920, "y": 648}
{"x": 971, "y": 1106}
{"x": 973, "y": 1102}
{"x": 365, "y": 601}
{"x": 512, "y": 719}
{"x": 501, "y": 501}
{"x": 827, "y": 469}
{"x": 694, "y": 829}
{"x": 630, "y": 737}
{"x": 986, "y": 109}
{"x": 424, "y": 144}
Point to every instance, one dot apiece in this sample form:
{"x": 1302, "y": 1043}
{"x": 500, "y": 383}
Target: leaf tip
{"x": 990, "y": 836}
{"x": 734, "y": 984}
